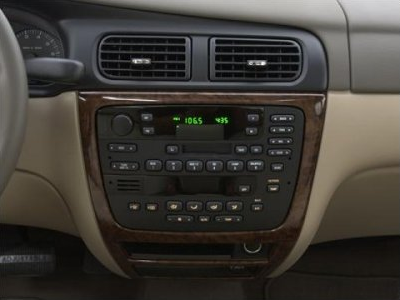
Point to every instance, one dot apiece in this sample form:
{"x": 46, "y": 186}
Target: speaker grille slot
{"x": 128, "y": 185}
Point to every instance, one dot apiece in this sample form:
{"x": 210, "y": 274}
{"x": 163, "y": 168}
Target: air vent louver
{"x": 130, "y": 57}
{"x": 268, "y": 60}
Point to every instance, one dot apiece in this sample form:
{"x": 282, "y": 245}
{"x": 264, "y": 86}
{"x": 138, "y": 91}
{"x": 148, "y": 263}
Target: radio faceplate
{"x": 203, "y": 168}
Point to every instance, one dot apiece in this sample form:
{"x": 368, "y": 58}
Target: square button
{"x": 214, "y": 206}
{"x": 234, "y": 206}
{"x": 194, "y": 206}
{"x": 204, "y": 219}
{"x": 148, "y": 131}
{"x": 255, "y": 166}
{"x": 194, "y": 166}
{"x": 277, "y": 167}
{"x": 273, "y": 188}
{"x": 174, "y": 206}
{"x": 172, "y": 149}
{"x": 214, "y": 166}
{"x": 146, "y": 117}
{"x": 244, "y": 189}
{"x": 241, "y": 149}
{"x": 134, "y": 206}
{"x": 173, "y": 166}
{"x": 235, "y": 166}
{"x": 154, "y": 165}
{"x": 256, "y": 149}
{"x": 151, "y": 206}
{"x": 251, "y": 131}
{"x": 253, "y": 118}
{"x": 257, "y": 207}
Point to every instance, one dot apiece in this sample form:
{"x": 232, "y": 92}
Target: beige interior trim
{"x": 52, "y": 150}
{"x": 365, "y": 205}
{"x": 30, "y": 200}
{"x": 361, "y": 133}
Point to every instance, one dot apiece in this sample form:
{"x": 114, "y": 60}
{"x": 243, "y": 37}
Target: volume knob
{"x": 122, "y": 125}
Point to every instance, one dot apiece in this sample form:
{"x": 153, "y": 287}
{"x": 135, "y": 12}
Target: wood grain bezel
{"x": 282, "y": 238}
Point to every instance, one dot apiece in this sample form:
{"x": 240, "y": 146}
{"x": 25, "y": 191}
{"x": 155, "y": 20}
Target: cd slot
{"x": 200, "y": 148}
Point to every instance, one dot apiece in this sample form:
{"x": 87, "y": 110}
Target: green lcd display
{"x": 201, "y": 120}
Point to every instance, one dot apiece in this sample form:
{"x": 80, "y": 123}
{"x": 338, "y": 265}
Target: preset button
{"x": 194, "y": 166}
{"x": 215, "y": 166}
{"x": 235, "y": 166}
{"x": 255, "y": 165}
{"x": 174, "y": 166}
{"x": 154, "y": 165}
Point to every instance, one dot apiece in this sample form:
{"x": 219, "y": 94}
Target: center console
{"x": 207, "y": 168}
{"x": 200, "y": 184}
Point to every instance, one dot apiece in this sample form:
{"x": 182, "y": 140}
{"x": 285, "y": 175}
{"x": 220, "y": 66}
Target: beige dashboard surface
{"x": 360, "y": 147}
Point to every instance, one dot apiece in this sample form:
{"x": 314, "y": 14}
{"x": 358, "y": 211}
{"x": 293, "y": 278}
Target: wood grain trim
{"x": 283, "y": 238}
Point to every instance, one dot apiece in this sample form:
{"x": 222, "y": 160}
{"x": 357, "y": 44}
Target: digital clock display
{"x": 201, "y": 120}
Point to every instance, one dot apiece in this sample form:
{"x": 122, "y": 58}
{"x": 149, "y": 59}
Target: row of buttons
{"x": 211, "y": 166}
{"x": 239, "y": 149}
{"x": 214, "y": 166}
{"x": 197, "y": 206}
{"x": 203, "y": 219}
{"x": 242, "y": 149}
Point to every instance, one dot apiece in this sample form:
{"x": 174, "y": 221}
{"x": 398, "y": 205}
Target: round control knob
{"x": 252, "y": 248}
{"x": 122, "y": 125}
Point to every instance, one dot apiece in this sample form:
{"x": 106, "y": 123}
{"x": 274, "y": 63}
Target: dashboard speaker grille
{"x": 129, "y": 185}
{"x": 133, "y": 57}
{"x": 242, "y": 59}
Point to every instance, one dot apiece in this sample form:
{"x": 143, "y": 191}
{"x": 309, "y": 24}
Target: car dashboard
{"x": 202, "y": 145}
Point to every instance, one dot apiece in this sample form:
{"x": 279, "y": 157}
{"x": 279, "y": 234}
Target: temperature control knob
{"x": 122, "y": 125}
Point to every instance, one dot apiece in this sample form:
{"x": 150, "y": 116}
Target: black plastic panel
{"x": 136, "y": 173}
{"x": 83, "y": 26}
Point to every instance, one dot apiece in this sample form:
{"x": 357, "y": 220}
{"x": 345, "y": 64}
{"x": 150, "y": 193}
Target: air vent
{"x": 130, "y": 57}
{"x": 129, "y": 185}
{"x": 267, "y": 60}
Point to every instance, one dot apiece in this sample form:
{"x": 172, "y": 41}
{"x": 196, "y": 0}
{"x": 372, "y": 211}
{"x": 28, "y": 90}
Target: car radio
{"x": 205, "y": 168}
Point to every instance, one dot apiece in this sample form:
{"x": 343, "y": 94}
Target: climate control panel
{"x": 202, "y": 168}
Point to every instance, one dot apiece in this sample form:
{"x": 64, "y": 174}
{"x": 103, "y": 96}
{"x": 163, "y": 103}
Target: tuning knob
{"x": 122, "y": 125}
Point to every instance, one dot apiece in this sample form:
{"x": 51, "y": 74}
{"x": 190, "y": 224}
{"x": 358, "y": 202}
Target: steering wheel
{"x": 13, "y": 101}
